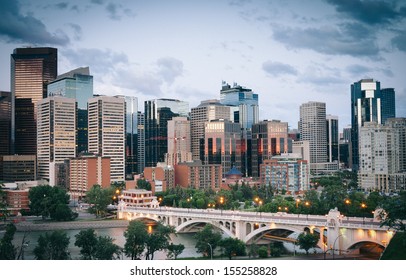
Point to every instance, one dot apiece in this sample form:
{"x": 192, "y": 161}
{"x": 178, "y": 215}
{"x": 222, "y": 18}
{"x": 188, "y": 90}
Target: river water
{"x": 187, "y": 239}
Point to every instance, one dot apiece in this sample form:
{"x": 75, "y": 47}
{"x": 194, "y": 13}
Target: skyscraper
{"x": 333, "y": 152}
{"x": 369, "y": 103}
{"x": 223, "y": 144}
{"x": 269, "y": 138}
{"x": 77, "y": 84}
{"x": 179, "y": 149}
{"x": 131, "y": 136}
{"x": 157, "y": 113}
{"x": 107, "y": 132}
{"x": 32, "y": 69}
{"x": 5, "y": 123}
{"x": 56, "y": 132}
{"x": 207, "y": 110}
{"x": 313, "y": 129}
{"x": 141, "y": 142}
{"x": 246, "y": 116}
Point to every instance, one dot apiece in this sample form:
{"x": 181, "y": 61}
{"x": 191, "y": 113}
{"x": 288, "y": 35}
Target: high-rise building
{"x": 19, "y": 168}
{"x": 223, "y": 144}
{"x": 179, "y": 149}
{"x": 107, "y": 132}
{"x": 56, "y": 132}
{"x": 246, "y": 116}
{"x": 5, "y": 124}
{"x": 245, "y": 99}
{"x": 369, "y": 103}
{"x": 32, "y": 69}
{"x": 141, "y": 142}
{"x": 313, "y": 129}
{"x": 269, "y": 138}
{"x": 207, "y": 110}
{"x": 131, "y": 136}
{"x": 197, "y": 175}
{"x": 383, "y": 156}
{"x": 333, "y": 153}
{"x": 77, "y": 84}
{"x": 157, "y": 113}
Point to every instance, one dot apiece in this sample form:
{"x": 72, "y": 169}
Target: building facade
{"x": 207, "y": 110}
{"x": 179, "y": 144}
{"x": 157, "y": 113}
{"x": 32, "y": 69}
{"x": 19, "y": 168}
{"x": 223, "y": 144}
{"x": 107, "y": 132}
{"x": 56, "y": 132}
{"x": 161, "y": 177}
{"x": 86, "y": 171}
{"x": 197, "y": 175}
{"x": 131, "y": 136}
{"x": 333, "y": 138}
{"x": 369, "y": 103}
{"x": 269, "y": 138}
{"x": 312, "y": 127}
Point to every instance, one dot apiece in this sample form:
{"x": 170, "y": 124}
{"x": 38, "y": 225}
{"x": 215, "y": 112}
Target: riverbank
{"x": 80, "y": 224}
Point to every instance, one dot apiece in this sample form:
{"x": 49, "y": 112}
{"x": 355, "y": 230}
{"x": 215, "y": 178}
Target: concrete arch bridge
{"x": 338, "y": 234}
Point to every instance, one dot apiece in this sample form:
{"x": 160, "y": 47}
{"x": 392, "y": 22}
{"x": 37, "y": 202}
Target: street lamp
{"x": 363, "y": 206}
{"x": 211, "y": 251}
{"x": 221, "y": 204}
{"x": 334, "y": 244}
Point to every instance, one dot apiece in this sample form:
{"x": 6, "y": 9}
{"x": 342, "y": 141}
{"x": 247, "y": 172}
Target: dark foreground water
{"x": 116, "y": 233}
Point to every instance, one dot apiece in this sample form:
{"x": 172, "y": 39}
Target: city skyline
{"x": 287, "y": 52}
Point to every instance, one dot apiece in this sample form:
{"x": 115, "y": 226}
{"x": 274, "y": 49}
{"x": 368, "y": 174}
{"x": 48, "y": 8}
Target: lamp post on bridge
{"x": 211, "y": 251}
{"x": 334, "y": 244}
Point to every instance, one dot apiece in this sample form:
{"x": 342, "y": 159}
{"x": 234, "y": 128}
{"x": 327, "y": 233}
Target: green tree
{"x": 7, "y": 249}
{"x": 307, "y": 241}
{"x": 52, "y": 246}
{"x": 3, "y": 205}
{"x": 205, "y": 237}
{"x": 263, "y": 252}
{"x": 135, "y": 236}
{"x": 143, "y": 184}
{"x": 47, "y": 201}
{"x": 106, "y": 249}
{"x": 174, "y": 250}
{"x": 333, "y": 196}
{"x": 233, "y": 247}
{"x": 86, "y": 240}
{"x": 158, "y": 240}
{"x": 99, "y": 198}
{"x": 394, "y": 213}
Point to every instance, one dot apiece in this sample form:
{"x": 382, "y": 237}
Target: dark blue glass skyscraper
{"x": 369, "y": 103}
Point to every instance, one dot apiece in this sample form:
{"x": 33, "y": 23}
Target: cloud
{"x": 116, "y": 11}
{"x": 99, "y": 61}
{"x": 16, "y": 27}
{"x": 169, "y": 68}
{"x": 277, "y": 68}
{"x": 369, "y": 12}
{"x": 98, "y": 2}
{"x": 61, "y": 5}
{"x": 356, "y": 69}
{"x": 77, "y": 31}
{"x": 340, "y": 40}
{"x": 322, "y": 76}
{"x": 399, "y": 41}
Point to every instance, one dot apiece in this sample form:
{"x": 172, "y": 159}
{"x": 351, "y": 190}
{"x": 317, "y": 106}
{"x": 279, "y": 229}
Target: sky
{"x": 289, "y": 52}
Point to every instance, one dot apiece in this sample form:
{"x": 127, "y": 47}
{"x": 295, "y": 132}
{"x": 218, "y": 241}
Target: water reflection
{"x": 187, "y": 239}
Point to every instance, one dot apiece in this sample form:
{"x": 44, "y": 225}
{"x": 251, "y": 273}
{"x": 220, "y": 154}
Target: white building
{"x": 179, "y": 144}
{"x": 106, "y": 132}
{"x": 56, "y": 132}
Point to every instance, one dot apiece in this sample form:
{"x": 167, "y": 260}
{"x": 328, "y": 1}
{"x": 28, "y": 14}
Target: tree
{"x": 52, "y": 246}
{"x": 394, "y": 213}
{"x": 205, "y": 238}
{"x": 307, "y": 241}
{"x": 7, "y": 249}
{"x": 263, "y": 252}
{"x": 135, "y": 236}
{"x": 99, "y": 198}
{"x": 143, "y": 184}
{"x": 3, "y": 205}
{"x": 233, "y": 247}
{"x": 333, "y": 196}
{"x": 47, "y": 201}
{"x": 174, "y": 250}
{"x": 158, "y": 240}
{"x": 86, "y": 240}
{"x": 106, "y": 249}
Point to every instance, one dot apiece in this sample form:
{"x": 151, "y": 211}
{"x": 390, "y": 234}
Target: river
{"x": 187, "y": 239}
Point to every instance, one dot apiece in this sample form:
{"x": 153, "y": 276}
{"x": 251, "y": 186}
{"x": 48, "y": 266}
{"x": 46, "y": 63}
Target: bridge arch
{"x": 203, "y": 221}
{"x": 364, "y": 241}
{"x": 263, "y": 229}
{"x": 149, "y": 217}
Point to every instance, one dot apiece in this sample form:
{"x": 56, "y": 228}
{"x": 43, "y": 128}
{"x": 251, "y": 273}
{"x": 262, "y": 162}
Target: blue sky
{"x": 289, "y": 52}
